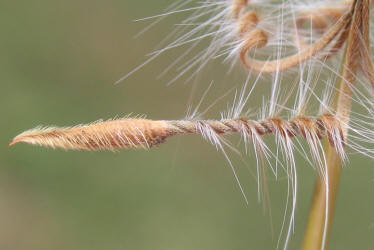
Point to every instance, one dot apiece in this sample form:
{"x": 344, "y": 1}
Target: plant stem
{"x": 314, "y": 232}
{"x": 318, "y": 226}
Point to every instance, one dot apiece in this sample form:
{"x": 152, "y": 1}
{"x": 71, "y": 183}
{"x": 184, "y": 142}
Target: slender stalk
{"x": 314, "y": 232}
{"x": 325, "y": 192}
{"x": 138, "y": 132}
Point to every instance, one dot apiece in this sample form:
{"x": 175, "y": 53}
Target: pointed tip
{"x": 12, "y": 142}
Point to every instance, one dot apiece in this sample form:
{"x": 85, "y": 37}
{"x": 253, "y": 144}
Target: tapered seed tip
{"x": 15, "y": 140}
{"x": 23, "y": 137}
{"x": 107, "y": 135}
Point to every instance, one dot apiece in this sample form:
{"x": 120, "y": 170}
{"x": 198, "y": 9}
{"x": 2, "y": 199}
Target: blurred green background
{"x": 58, "y": 62}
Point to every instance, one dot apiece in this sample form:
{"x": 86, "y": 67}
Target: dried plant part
{"x": 243, "y": 29}
{"x": 134, "y": 133}
{"x": 318, "y": 226}
{"x": 317, "y": 20}
{"x": 305, "y": 53}
{"x": 286, "y": 38}
{"x": 108, "y": 135}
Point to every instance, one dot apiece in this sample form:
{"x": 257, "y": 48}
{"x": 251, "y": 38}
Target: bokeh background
{"x": 58, "y": 62}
